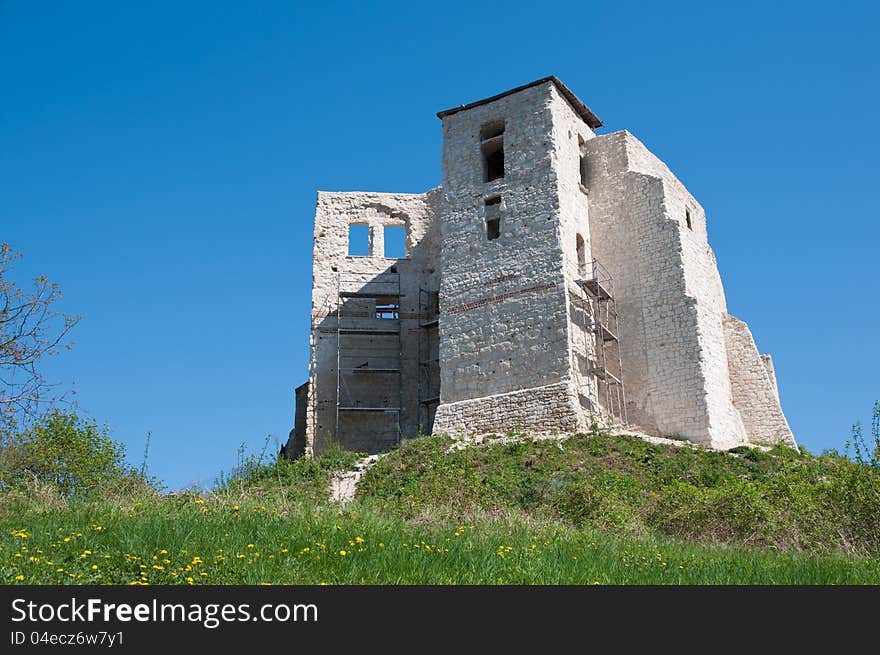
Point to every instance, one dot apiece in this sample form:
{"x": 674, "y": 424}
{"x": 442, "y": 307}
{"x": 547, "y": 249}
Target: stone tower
{"x": 558, "y": 277}
{"x": 512, "y": 208}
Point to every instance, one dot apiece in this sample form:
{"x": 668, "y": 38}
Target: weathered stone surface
{"x": 515, "y": 346}
{"x": 753, "y": 387}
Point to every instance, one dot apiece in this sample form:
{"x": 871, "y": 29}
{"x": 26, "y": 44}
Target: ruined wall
{"x": 570, "y": 134}
{"x": 513, "y": 346}
{"x": 503, "y": 326}
{"x": 753, "y": 386}
{"x": 296, "y": 440}
{"x": 371, "y": 348}
{"x": 668, "y": 291}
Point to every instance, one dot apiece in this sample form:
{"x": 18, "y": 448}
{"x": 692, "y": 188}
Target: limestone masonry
{"x": 556, "y": 278}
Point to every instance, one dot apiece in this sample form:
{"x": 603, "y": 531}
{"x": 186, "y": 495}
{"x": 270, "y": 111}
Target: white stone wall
{"x": 546, "y": 410}
{"x": 568, "y": 132}
{"x": 753, "y": 386}
{"x": 668, "y": 292}
{"x": 417, "y": 213}
{"x": 513, "y": 352}
{"x": 503, "y": 325}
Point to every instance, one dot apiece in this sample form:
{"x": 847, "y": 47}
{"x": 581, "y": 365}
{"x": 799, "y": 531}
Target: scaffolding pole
{"x": 604, "y": 324}
{"x": 368, "y": 286}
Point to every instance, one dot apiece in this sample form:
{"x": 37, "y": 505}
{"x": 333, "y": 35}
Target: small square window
{"x": 395, "y": 241}
{"x": 358, "y": 240}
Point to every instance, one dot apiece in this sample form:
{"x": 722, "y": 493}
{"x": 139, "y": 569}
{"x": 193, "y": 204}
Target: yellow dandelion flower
{"x": 343, "y": 553}
{"x": 19, "y": 578}
{"x": 94, "y": 567}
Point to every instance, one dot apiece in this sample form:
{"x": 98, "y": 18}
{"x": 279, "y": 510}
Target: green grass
{"x": 779, "y": 499}
{"x": 191, "y": 540}
{"x": 592, "y": 508}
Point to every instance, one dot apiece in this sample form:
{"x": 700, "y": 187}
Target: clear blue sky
{"x": 160, "y": 161}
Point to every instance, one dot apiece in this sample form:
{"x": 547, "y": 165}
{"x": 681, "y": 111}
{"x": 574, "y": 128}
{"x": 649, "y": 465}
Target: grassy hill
{"x": 587, "y": 509}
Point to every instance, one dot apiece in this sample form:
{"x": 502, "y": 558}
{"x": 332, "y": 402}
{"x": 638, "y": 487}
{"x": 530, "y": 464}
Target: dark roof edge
{"x": 582, "y": 110}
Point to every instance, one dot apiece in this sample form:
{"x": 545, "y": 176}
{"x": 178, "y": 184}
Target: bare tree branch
{"x": 31, "y": 328}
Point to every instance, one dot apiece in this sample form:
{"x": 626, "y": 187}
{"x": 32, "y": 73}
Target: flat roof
{"x": 582, "y": 110}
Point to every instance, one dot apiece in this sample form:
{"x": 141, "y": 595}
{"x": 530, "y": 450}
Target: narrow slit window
{"x": 687, "y": 218}
{"x": 492, "y": 211}
{"x": 582, "y": 256}
{"x": 395, "y": 241}
{"x": 493, "y": 228}
{"x": 584, "y": 170}
{"x": 358, "y": 240}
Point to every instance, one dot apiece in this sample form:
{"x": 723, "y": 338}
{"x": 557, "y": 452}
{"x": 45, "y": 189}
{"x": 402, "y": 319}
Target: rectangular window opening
{"x": 358, "y": 240}
{"x": 395, "y": 241}
{"x": 389, "y": 311}
{"x": 493, "y": 159}
{"x": 492, "y": 147}
{"x": 493, "y": 228}
{"x": 687, "y": 218}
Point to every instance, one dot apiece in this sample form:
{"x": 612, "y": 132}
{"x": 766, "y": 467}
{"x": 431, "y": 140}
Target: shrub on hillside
{"x": 735, "y": 511}
{"x": 584, "y": 504}
{"x": 66, "y": 452}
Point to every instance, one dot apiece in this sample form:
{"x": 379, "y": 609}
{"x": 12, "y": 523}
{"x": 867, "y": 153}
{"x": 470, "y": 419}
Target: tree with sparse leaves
{"x": 31, "y": 328}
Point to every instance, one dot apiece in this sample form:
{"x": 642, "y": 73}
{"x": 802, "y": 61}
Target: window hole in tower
{"x": 492, "y": 148}
{"x": 395, "y": 241}
{"x": 358, "y": 240}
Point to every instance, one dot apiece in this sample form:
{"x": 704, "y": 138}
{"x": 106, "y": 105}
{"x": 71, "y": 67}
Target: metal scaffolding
{"x": 429, "y": 357}
{"x": 377, "y": 317}
{"x": 601, "y": 319}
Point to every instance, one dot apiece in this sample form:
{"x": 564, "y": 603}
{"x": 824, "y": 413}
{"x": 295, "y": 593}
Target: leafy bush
{"x": 334, "y": 458}
{"x": 67, "y": 452}
{"x": 736, "y": 511}
{"x": 584, "y": 504}
{"x": 864, "y": 451}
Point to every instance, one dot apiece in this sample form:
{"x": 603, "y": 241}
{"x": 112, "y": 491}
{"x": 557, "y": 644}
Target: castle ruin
{"x": 556, "y": 278}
